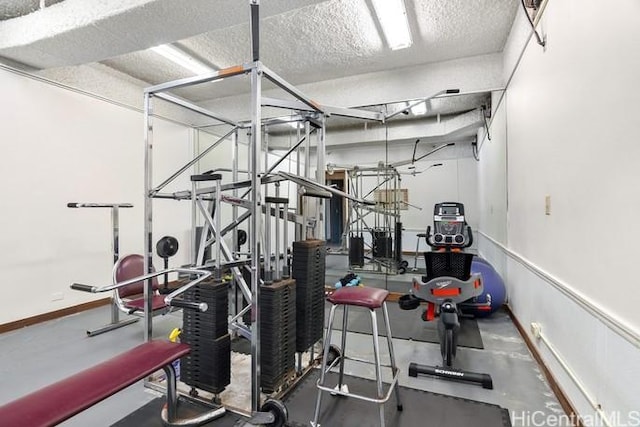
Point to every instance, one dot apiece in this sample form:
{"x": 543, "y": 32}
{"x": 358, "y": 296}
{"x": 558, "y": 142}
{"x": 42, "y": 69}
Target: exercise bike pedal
{"x": 408, "y": 302}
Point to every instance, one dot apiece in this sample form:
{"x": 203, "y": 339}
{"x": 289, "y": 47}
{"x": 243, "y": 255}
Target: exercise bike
{"x": 447, "y": 287}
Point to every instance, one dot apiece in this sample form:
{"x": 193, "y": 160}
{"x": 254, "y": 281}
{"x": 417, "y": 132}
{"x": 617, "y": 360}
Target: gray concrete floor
{"x": 39, "y": 355}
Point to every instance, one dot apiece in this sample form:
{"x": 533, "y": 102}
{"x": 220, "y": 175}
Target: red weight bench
{"x": 60, "y": 401}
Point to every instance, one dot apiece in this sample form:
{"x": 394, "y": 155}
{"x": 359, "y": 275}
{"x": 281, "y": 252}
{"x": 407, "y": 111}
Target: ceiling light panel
{"x": 392, "y": 16}
{"x": 179, "y": 57}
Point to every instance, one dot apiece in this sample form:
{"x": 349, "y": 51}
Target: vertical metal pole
{"x": 255, "y": 144}
{"x": 234, "y": 178}
{"x": 194, "y": 225}
{"x": 376, "y": 355}
{"x": 307, "y": 174}
{"x": 285, "y": 264}
{"x": 299, "y": 228}
{"x": 278, "y": 235}
{"x": 148, "y": 213}
{"x": 218, "y": 217}
{"x": 194, "y": 207}
{"x": 234, "y": 217}
{"x": 115, "y": 248}
{"x": 268, "y": 276}
{"x": 320, "y": 178}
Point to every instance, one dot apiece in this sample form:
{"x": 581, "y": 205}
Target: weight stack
{"x": 397, "y": 249}
{"x": 309, "y": 272}
{"x": 208, "y": 366}
{"x": 356, "y": 251}
{"x": 382, "y": 244}
{"x": 277, "y": 315}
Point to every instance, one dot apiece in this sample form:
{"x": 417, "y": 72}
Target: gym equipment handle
{"x": 84, "y": 288}
{"x": 98, "y": 205}
{"x": 200, "y": 306}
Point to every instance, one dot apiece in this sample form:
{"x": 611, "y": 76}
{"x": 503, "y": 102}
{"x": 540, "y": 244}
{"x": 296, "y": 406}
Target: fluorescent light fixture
{"x": 392, "y": 16}
{"x": 419, "y": 109}
{"x": 179, "y": 57}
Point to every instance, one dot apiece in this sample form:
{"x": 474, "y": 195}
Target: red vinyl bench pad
{"x": 59, "y": 401}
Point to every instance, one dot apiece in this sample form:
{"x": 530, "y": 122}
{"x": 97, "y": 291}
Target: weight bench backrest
{"x": 449, "y": 264}
{"x": 127, "y": 268}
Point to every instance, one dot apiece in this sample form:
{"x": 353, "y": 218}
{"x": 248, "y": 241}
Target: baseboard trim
{"x": 568, "y": 408}
{"x": 34, "y": 320}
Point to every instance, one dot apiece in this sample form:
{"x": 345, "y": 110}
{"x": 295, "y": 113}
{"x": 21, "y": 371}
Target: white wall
{"x": 60, "y": 146}
{"x": 569, "y": 121}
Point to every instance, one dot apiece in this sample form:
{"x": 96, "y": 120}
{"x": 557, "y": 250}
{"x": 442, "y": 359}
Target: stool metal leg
{"x": 323, "y": 366}
{"x": 394, "y": 367}
{"x": 376, "y": 354}
{"x": 343, "y": 344}
{"x": 415, "y": 257}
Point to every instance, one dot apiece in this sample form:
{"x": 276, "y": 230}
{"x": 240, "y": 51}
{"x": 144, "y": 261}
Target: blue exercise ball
{"x": 494, "y": 289}
{"x": 476, "y": 258}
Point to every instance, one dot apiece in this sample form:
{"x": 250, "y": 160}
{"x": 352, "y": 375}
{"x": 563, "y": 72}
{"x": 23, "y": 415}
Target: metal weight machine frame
{"x": 115, "y": 251}
{"x": 257, "y": 184}
{"x": 381, "y": 218}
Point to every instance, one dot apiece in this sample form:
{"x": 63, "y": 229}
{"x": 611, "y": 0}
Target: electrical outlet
{"x": 536, "y": 329}
{"x": 57, "y": 296}
{"x": 547, "y": 205}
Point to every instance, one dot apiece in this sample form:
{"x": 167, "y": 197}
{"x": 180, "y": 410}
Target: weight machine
{"x": 375, "y": 231}
{"x": 255, "y": 200}
{"x": 115, "y": 251}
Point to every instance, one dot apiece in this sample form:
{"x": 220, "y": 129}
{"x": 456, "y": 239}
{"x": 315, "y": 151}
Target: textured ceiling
{"x": 302, "y": 40}
{"x": 338, "y": 38}
{"x": 10, "y": 9}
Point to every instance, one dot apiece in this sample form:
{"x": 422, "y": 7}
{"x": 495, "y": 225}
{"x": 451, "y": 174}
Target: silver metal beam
{"x": 327, "y": 109}
{"x": 315, "y": 186}
{"x": 283, "y": 84}
{"x": 408, "y": 162}
{"x": 194, "y": 161}
{"x": 196, "y": 109}
{"x": 203, "y": 78}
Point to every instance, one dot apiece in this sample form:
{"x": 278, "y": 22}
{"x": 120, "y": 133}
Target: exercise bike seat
{"x": 448, "y": 278}
{"x": 449, "y": 263}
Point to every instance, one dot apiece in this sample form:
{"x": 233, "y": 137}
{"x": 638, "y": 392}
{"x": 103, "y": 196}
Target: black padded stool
{"x": 372, "y": 299}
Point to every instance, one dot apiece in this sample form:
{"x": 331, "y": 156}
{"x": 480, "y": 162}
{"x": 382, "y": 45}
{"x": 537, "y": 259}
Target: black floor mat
{"x": 405, "y": 324}
{"x": 421, "y": 408}
{"x": 400, "y": 285}
{"x": 149, "y": 415}
{"x": 241, "y": 345}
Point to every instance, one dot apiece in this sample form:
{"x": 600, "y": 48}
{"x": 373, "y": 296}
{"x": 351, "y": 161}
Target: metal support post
{"x": 299, "y": 228}
{"x": 148, "y": 214}
{"x": 320, "y": 178}
{"x": 218, "y": 236}
{"x": 277, "y": 261}
{"x": 268, "y": 271}
{"x": 254, "y": 147}
{"x": 307, "y": 174}
{"x": 285, "y": 264}
{"x": 194, "y": 223}
{"x": 115, "y": 254}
